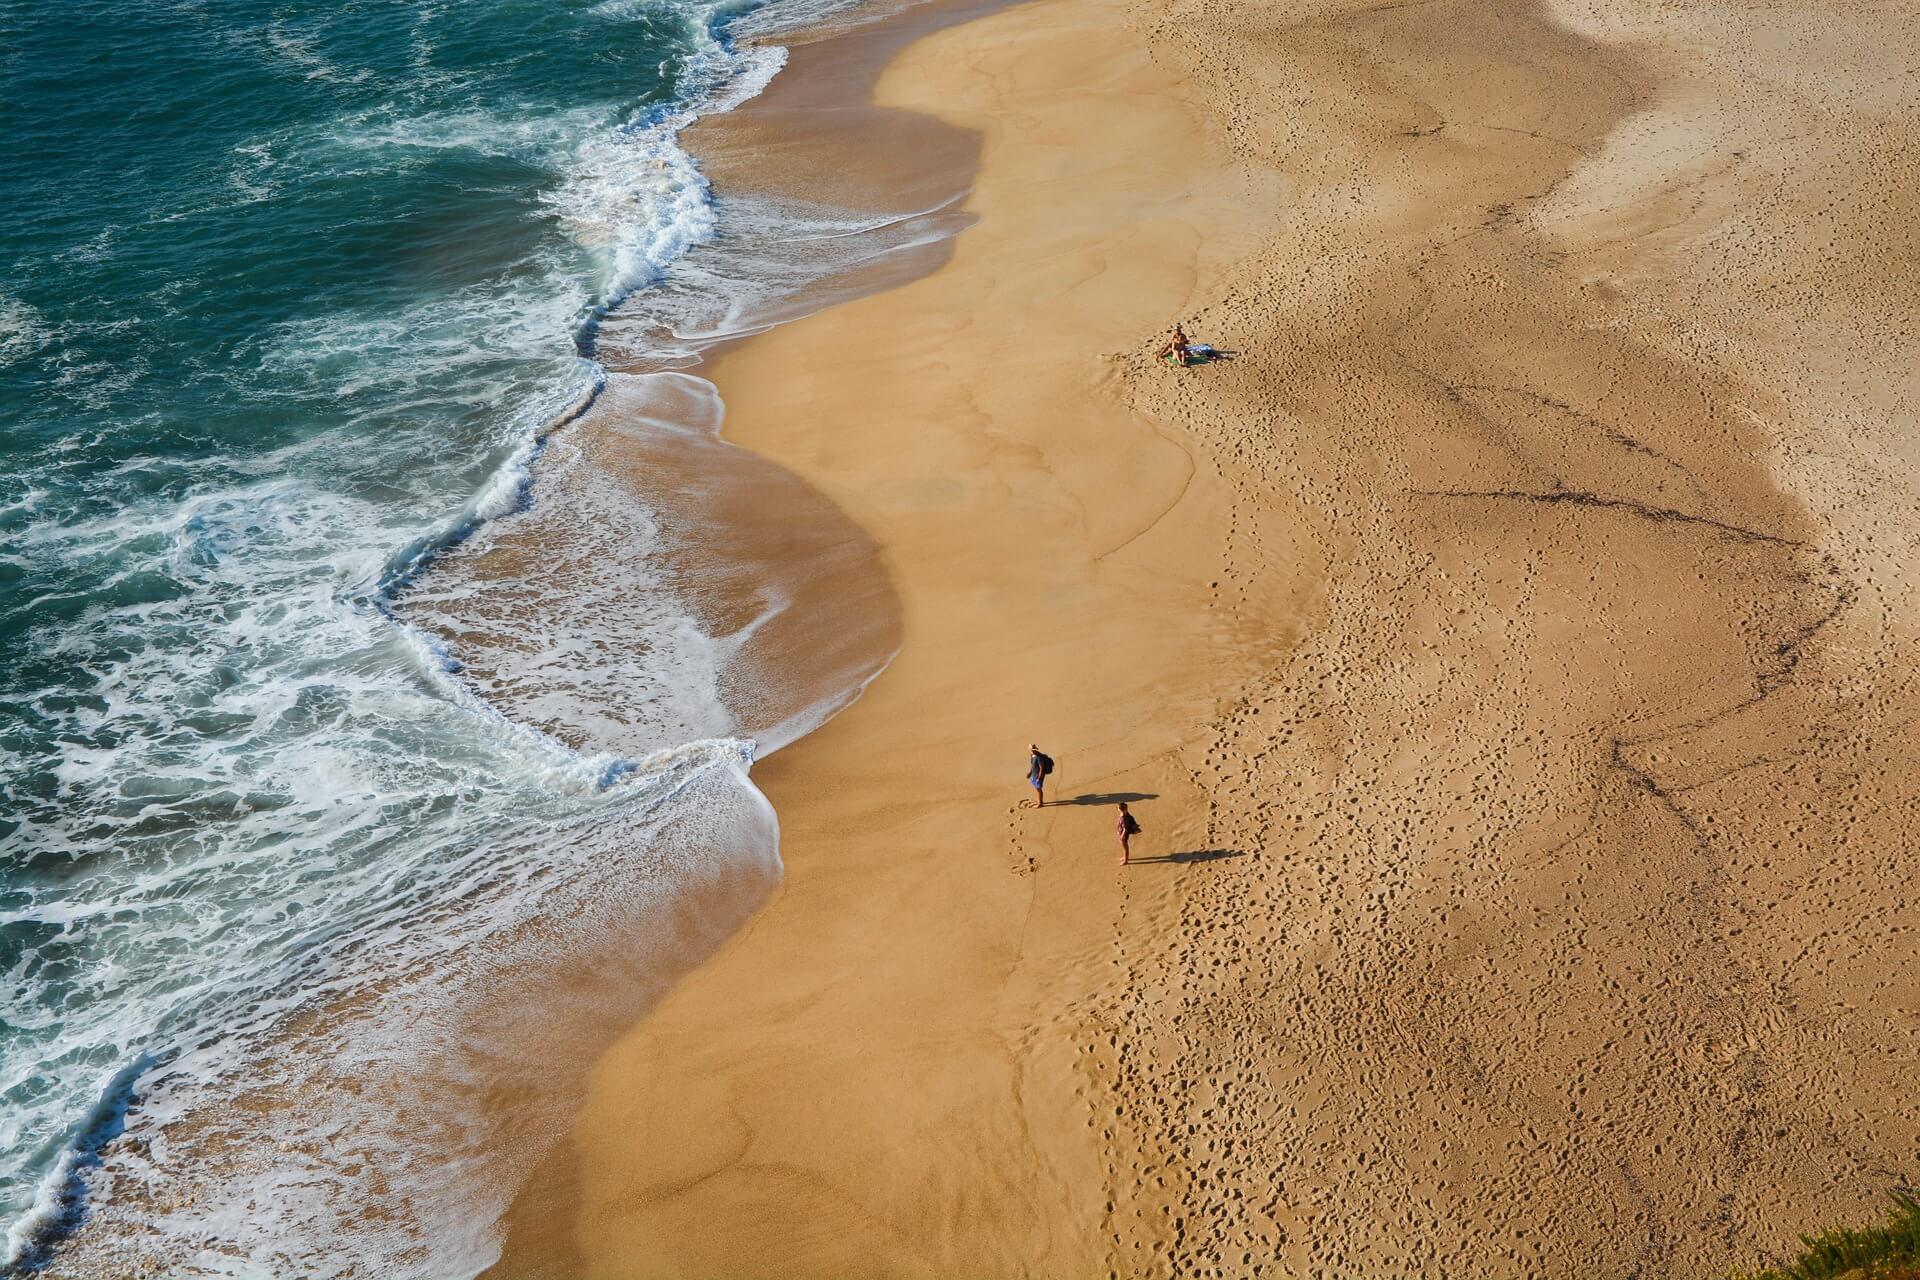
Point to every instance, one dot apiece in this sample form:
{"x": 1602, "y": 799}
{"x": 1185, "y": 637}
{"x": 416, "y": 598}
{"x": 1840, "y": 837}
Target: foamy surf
{"x": 59, "y": 1200}
{"x": 324, "y": 843}
{"x": 255, "y": 702}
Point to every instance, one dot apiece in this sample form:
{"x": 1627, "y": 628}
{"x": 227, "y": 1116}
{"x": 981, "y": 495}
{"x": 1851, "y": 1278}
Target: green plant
{"x": 1888, "y": 1252}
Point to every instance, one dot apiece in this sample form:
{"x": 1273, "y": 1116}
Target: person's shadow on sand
{"x": 1111, "y": 797}
{"x": 1193, "y": 855}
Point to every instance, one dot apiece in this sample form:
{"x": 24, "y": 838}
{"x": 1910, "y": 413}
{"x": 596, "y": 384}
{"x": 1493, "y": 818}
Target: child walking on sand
{"x": 1128, "y": 828}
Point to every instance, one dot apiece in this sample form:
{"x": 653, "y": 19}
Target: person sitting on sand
{"x": 1127, "y": 828}
{"x": 1178, "y": 350}
{"x": 1039, "y": 765}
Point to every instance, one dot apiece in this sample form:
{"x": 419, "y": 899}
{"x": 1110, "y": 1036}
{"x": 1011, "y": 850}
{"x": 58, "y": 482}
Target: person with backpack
{"x": 1039, "y": 765}
{"x": 1128, "y": 828}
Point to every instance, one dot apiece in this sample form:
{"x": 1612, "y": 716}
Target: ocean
{"x": 295, "y": 294}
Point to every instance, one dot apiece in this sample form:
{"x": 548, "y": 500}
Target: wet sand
{"x": 1505, "y": 652}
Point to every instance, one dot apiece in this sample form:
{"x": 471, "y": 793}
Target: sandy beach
{"x": 1506, "y": 651}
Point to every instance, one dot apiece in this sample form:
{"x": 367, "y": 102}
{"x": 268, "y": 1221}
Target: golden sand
{"x": 1507, "y": 653}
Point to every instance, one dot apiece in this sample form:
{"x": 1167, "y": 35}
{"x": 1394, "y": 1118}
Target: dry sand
{"x": 1509, "y": 650}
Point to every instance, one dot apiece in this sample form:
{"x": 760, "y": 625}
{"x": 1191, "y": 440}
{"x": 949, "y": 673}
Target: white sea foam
{"x": 301, "y": 53}
{"x": 363, "y": 859}
{"x": 635, "y": 195}
{"x": 35, "y": 1227}
{"x": 57, "y": 1198}
{"x": 508, "y": 486}
{"x": 769, "y": 269}
{"x": 600, "y": 645}
{"x": 23, "y": 330}
{"x": 674, "y": 851}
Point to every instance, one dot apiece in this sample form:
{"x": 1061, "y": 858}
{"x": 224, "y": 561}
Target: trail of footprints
{"x": 1542, "y": 960}
{"x": 1410, "y": 1034}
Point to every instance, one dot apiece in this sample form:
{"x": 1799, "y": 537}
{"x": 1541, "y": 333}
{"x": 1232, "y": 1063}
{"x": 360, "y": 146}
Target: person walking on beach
{"x": 1039, "y": 765}
{"x": 1127, "y": 828}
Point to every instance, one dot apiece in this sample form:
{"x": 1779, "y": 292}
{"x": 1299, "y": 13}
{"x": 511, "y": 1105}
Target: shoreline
{"x": 1098, "y": 558}
{"x": 1463, "y": 644}
{"x": 739, "y": 503}
{"x": 756, "y": 523}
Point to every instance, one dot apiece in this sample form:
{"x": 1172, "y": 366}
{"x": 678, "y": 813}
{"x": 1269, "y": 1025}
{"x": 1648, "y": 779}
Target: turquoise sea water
{"x": 290, "y": 290}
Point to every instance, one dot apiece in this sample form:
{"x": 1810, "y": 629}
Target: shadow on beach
{"x": 1107, "y": 797}
{"x": 1195, "y": 855}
